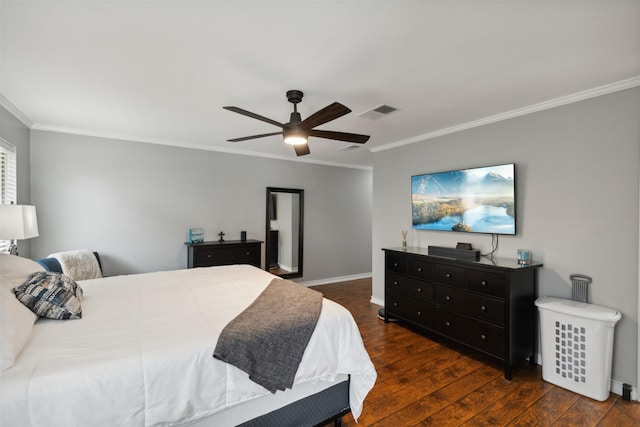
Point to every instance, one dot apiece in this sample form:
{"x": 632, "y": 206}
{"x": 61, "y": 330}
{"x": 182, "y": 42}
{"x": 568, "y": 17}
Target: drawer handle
{"x": 395, "y": 283}
{"x": 248, "y": 252}
{"x": 448, "y": 275}
{"x": 419, "y": 289}
{"x": 395, "y": 264}
{"x": 447, "y": 323}
{"x": 209, "y": 256}
{"x": 483, "y": 337}
{"x": 419, "y": 269}
{"x": 395, "y": 304}
{"x": 483, "y": 308}
{"x": 419, "y": 313}
{"x": 448, "y": 298}
{"x": 483, "y": 283}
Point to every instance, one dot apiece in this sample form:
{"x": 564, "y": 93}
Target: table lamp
{"x": 17, "y": 222}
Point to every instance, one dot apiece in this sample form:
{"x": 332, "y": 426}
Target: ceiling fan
{"x": 297, "y": 131}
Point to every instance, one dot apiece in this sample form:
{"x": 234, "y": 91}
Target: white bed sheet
{"x": 142, "y": 353}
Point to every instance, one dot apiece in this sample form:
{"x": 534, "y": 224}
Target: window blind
{"x": 8, "y": 181}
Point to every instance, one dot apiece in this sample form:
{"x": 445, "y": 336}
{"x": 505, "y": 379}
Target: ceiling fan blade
{"x": 340, "y": 136}
{"x": 253, "y": 115}
{"x": 328, "y": 113}
{"x": 302, "y": 149}
{"x": 245, "y": 138}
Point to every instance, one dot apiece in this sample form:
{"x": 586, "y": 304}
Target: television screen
{"x": 478, "y": 200}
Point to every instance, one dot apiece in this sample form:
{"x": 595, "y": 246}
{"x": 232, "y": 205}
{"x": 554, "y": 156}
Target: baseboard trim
{"x": 331, "y": 280}
{"x": 377, "y": 301}
{"x": 616, "y": 386}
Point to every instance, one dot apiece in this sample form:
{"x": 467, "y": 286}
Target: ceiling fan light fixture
{"x": 295, "y": 137}
{"x": 298, "y": 131}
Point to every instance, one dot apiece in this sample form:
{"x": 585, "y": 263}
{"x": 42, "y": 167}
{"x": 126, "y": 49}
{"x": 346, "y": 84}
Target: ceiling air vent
{"x": 349, "y": 147}
{"x": 378, "y": 112}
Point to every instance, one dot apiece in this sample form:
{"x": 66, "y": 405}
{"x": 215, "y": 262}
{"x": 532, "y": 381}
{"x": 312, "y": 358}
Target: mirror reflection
{"x": 283, "y": 237}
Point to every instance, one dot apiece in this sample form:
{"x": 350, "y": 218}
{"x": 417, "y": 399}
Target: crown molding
{"x": 15, "y": 111}
{"x": 156, "y": 141}
{"x": 545, "y": 105}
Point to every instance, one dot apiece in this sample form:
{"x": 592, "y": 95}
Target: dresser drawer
{"x": 397, "y": 264}
{"x": 475, "y": 333}
{"x": 408, "y": 308}
{"x": 449, "y": 275}
{"x": 410, "y": 287}
{"x": 478, "y": 306}
{"x": 420, "y": 269}
{"x": 486, "y": 282}
{"x": 207, "y": 257}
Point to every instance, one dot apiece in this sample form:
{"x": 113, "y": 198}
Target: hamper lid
{"x": 578, "y": 309}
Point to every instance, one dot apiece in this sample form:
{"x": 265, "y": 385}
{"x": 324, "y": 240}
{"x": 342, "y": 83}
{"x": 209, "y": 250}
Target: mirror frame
{"x": 267, "y": 237}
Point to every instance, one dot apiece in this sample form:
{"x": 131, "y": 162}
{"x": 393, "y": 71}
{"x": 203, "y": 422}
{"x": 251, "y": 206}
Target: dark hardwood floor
{"x": 426, "y": 382}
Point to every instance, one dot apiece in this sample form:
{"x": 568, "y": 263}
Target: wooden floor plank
{"x": 586, "y": 412}
{"x": 622, "y": 413}
{"x": 471, "y": 404}
{"x": 417, "y": 410}
{"x": 547, "y": 409}
{"x": 428, "y": 382}
{"x": 524, "y": 391}
{"x": 388, "y": 400}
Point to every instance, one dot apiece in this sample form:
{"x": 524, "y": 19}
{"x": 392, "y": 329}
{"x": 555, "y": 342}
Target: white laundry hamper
{"x": 577, "y": 345}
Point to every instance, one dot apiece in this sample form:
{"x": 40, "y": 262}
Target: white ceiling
{"x": 161, "y": 72}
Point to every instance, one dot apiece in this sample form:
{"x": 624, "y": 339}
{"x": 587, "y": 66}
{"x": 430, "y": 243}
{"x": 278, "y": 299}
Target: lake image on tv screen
{"x": 480, "y": 200}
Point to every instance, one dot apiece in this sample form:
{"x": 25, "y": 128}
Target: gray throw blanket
{"x": 268, "y": 339}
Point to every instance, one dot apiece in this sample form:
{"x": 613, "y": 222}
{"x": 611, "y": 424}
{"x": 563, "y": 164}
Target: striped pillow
{"x": 51, "y": 295}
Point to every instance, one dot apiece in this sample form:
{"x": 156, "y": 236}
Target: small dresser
{"x": 487, "y": 305}
{"x": 208, "y": 254}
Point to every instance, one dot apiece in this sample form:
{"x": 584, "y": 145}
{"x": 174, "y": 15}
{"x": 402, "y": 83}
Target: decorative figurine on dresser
{"x": 487, "y": 305}
{"x": 224, "y": 252}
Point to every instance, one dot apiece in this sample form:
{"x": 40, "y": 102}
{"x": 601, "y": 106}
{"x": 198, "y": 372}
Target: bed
{"x": 141, "y": 355}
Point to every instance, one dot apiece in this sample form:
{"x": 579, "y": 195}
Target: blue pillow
{"x": 50, "y": 264}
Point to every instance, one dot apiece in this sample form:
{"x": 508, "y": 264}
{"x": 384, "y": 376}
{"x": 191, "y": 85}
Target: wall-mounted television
{"x": 477, "y": 200}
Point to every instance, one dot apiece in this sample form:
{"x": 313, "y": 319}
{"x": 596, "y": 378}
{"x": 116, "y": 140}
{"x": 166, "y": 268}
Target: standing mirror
{"x": 283, "y": 236}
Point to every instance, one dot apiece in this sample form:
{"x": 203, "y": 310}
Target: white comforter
{"x": 142, "y": 353}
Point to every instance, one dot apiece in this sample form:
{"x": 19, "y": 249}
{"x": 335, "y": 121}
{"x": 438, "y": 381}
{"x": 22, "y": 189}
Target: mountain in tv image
{"x": 459, "y": 183}
{"x": 475, "y": 200}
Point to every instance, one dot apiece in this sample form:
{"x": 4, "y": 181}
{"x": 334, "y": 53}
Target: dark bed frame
{"x": 319, "y": 409}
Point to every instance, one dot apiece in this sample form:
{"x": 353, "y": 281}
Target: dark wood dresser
{"x": 487, "y": 305}
{"x": 208, "y": 254}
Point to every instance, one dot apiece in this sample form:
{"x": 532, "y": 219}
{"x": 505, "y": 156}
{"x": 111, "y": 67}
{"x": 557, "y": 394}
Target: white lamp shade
{"x": 18, "y": 222}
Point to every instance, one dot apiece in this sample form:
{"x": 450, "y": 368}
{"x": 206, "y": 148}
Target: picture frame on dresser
{"x": 485, "y": 305}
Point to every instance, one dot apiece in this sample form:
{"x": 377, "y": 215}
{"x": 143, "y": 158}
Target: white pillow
{"x": 16, "y": 320}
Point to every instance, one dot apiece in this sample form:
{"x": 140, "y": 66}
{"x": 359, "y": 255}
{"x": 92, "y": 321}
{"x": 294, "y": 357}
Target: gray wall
{"x": 16, "y": 133}
{"x": 134, "y": 203}
{"x": 577, "y": 172}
